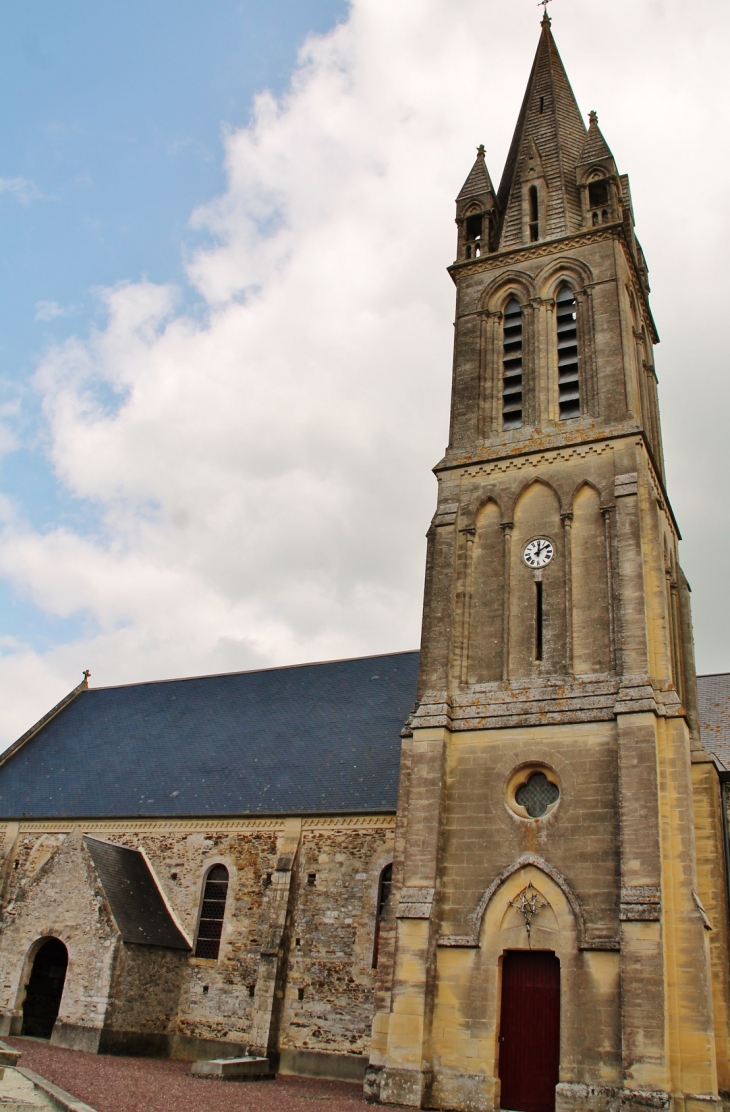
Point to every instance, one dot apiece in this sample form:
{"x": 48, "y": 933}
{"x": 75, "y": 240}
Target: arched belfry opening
{"x": 45, "y": 989}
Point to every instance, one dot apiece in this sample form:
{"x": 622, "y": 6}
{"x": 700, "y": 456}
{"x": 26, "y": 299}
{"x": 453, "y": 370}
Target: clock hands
{"x": 538, "y": 552}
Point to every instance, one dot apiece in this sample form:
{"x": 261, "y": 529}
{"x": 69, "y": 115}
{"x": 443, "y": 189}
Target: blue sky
{"x": 111, "y": 136}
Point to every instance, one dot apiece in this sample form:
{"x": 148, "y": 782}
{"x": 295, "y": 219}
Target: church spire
{"x": 538, "y": 195}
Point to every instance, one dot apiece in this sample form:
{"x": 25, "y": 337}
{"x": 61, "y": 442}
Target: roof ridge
{"x": 245, "y": 672}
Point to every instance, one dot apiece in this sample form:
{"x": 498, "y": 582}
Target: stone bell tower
{"x": 557, "y": 919}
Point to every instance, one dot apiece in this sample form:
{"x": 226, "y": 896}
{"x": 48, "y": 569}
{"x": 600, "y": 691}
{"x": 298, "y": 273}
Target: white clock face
{"x": 538, "y": 553}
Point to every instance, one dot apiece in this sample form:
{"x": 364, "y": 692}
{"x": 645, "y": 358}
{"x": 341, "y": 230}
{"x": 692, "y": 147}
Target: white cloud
{"x": 20, "y": 189}
{"x": 263, "y": 477}
{"x": 49, "y": 310}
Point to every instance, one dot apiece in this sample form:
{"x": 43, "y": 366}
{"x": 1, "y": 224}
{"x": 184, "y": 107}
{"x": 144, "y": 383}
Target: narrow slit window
{"x": 534, "y": 218}
{"x": 538, "y": 620}
{"x": 212, "y": 913}
{"x": 512, "y": 366}
{"x": 384, "y": 886}
{"x": 568, "y": 376}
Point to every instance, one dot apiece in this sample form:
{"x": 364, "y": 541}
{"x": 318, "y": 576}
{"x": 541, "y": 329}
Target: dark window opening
{"x": 512, "y": 366}
{"x": 542, "y": 105}
{"x": 212, "y": 913}
{"x": 45, "y": 989}
{"x": 534, "y": 218}
{"x": 598, "y": 194}
{"x": 384, "y": 888}
{"x": 252, "y": 990}
{"x": 538, "y": 620}
{"x": 300, "y": 993}
{"x": 568, "y": 376}
{"x": 474, "y": 226}
{"x": 266, "y": 881}
{"x": 311, "y": 879}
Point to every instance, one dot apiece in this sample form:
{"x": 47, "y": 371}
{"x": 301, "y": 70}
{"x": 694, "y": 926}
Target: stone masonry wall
{"x": 328, "y": 975}
{"x": 62, "y": 898}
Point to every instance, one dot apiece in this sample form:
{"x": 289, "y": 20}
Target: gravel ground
{"x": 158, "y": 1085}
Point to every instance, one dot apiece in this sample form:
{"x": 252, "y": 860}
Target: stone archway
{"x": 45, "y": 989}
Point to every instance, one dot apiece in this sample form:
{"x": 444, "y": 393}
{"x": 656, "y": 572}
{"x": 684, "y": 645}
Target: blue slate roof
{"x": 140, "y": 912}
{"x": 316, "y": 738}
{"x": 714, "y": 707}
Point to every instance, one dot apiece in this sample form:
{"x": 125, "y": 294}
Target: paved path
{"x": 158, "y": 1085}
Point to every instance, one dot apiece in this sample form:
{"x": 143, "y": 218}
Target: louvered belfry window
{"x": 212, "y": 913}
{"x": 512, "y": 366}
{"x": 568, "y": 377}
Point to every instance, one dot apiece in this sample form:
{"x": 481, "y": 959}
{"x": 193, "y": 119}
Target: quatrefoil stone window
{"x": 536, "y": 793}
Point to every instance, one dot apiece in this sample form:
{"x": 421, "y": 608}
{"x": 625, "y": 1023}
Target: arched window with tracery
{"x": 568, "y": 376}
{"x": 384, "y": 886}
{"x": 212, "y": 913}
{"x": 512, "y": 366}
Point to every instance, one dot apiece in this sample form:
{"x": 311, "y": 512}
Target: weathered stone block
{"x": 233, "y": 1069}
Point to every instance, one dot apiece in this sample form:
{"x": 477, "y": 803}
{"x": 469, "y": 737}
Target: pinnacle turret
{"x": 476, "y": 210}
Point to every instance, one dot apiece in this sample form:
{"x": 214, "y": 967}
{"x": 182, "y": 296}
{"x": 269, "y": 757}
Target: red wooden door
{"x": 529, "y": 1031}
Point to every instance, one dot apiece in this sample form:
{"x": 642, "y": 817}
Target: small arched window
{"x": 568, "y": 378}
{"x": 512, "y": 366}
{"x": 384, "y": 886}
{"x": 534, "y": 217}
{"x": 212, "y": 913}
{"x": 474, "y": 233}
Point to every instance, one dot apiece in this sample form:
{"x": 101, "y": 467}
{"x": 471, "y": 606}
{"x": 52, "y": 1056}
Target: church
{"x": 490, "y": 874}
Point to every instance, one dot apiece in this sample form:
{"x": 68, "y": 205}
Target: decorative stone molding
{"x": 625, "y": 485}
{"x": 190, "y": 826}
{"x": 637, "y": 694}
{"x": 446, "y": 515}
{"x": 471, "y": 940}
{"x": 640, "y": 903}
{"x": 551, "y": 701}
{"x": 415, "y": 903}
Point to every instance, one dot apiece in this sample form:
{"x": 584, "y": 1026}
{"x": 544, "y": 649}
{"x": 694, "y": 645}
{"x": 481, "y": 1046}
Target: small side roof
{"x": 136, "y": 902}
{"x": 714, "y": 709}
{"x": 311, "y": 739}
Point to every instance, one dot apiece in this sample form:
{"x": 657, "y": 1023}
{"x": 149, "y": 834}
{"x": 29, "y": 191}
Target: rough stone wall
{"x": 144, "y": 994}
{"x": 215, "y": 1000}
{"x": 177, "y": 1000}
{"x": 330, "y": 962}
{"x": 63, "y": 898}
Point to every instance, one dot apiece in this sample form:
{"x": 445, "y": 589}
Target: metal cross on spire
{"x": 543, "y": 4}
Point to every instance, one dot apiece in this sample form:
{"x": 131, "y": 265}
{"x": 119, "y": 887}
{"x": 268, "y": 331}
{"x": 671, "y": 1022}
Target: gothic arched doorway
{"x": 529, "y": 1030}
{"x": 45, "y": 989}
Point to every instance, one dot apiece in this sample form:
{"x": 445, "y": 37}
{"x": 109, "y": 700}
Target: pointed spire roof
{"x": 478, "y": 181}
{"x": 550, "y": 122}
{"x": 595, "y": 148}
